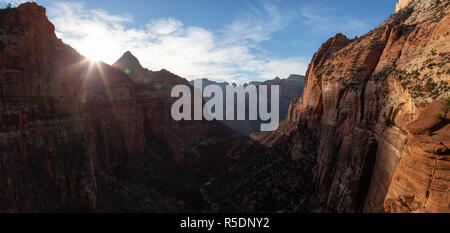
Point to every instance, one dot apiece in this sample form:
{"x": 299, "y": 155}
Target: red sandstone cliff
{"x": 203, "y": 145}
{"x": 369, "y": 134}
{"x": 359, "y": 99}
{"x": 60, "y": 116}
{"x": 364, "y": 136}
{"x": 82, "y": 136}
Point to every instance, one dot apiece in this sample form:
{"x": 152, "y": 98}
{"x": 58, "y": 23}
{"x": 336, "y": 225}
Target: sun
{"x": 96, "y": 51}
{"x": 93, "y": 58}
{"x": 93, "y": 55}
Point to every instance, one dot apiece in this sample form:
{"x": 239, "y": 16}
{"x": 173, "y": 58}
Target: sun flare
{"x": 95, "y": 51}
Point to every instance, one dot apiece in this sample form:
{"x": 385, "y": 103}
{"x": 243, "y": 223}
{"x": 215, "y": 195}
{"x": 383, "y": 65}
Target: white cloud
{"x": 14, "y": 2}
{"x": 231, "y": 55}
{"x": 259, "y": 23}
{"x": 164, "y": 26}
{"x": 323, "y": 19}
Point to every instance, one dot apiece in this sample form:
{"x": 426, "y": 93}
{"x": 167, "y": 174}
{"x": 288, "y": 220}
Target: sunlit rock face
{"x": 359, "y": 99}
{"x": 364, "y": 130}
{"x": 402, "y": 4}
{"x": 421, "y": 180}
{"x": 368, "y": 135}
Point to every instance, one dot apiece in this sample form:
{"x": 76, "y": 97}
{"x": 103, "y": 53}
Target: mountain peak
{"x": 32, "y": 7}
{"x": 30, "y": 14}
{"x": 128, "y": 54}
{"x": 128, "y": 61}
{"x": 296, "y": 77}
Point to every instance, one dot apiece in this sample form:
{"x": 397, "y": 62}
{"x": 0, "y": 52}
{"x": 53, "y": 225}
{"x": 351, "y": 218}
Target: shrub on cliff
{"x": 445, "y": 106}
{"x": 7, "y": 7}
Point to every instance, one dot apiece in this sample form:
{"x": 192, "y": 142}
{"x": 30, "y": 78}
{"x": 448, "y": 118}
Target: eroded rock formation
{"x": 401, "y": 4}
{"x": 370, "y": 134}
{"x": 356, "y": 128}
{"x": 82, "y": 136}
{"x": 421, "y": 180}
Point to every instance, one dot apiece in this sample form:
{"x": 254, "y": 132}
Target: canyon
{"x": 369, "y": 134}
{"x": 290, "y": 88}
{"x": 79, "y": 136}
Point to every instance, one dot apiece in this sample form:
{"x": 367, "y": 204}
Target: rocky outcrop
{"x": 401, "y": 4}
{"x": 364, "y": 95}
{"x": 153, "y": 95}
{"x": 421, "y": 180}
{"x": 355, "y": 127}
{"x": 369, "y": 134}
{"x": 80, "y": 136}
{"x": 61, "y": 116}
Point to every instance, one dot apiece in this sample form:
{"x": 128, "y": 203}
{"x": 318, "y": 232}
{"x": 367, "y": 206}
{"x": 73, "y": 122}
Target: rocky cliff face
{"x": 421, "y": 180}
{"x": 82, "y": 136}
{"x": 153, "y": 95}
{"x": 363, "y": 94}
{"x": 356, "y": 128}
{"x": 60, "y": 116}
{"x": 370, "y": 134}
{"x": 401, "y": 4}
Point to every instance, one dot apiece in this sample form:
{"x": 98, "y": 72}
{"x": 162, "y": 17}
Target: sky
{"x": 223, "y": 40}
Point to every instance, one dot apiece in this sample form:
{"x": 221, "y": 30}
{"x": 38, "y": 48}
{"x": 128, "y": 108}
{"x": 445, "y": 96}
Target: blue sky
{"x": 225, "y": 40}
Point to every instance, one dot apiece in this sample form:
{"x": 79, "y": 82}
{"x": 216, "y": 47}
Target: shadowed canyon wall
{"x": 355, "y": 130}
{"x": 82, "y": 136}
{"x": 369, "y": 134}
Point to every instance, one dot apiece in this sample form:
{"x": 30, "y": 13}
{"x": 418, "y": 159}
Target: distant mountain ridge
{"x": 83, "y": 136}
{"x": 370, "y": 133}
{"x": 290, "y": 89}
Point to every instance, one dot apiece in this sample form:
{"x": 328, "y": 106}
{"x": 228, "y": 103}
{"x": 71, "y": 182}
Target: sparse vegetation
{"x": 389, "y": 123}
{"x": 7, "y": 7}
{"x": 402, "y": 15}
{"x": 403, "y": 74}
{"x": 439, "y": 116}
{"x": 405, "y": 84}
{"x": 430, "y": 86}
{"x": 445, "y": 106}
{"x": 431, "y": 65}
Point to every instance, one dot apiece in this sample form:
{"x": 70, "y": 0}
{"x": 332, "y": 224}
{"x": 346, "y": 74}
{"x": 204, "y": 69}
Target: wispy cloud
{"x": 232, "y": 54}
{"x": 258, "y": 24}
{"x": 164, "y": 26}
{"x": 326, "y": 20}
{"x": 14, "y": 2}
